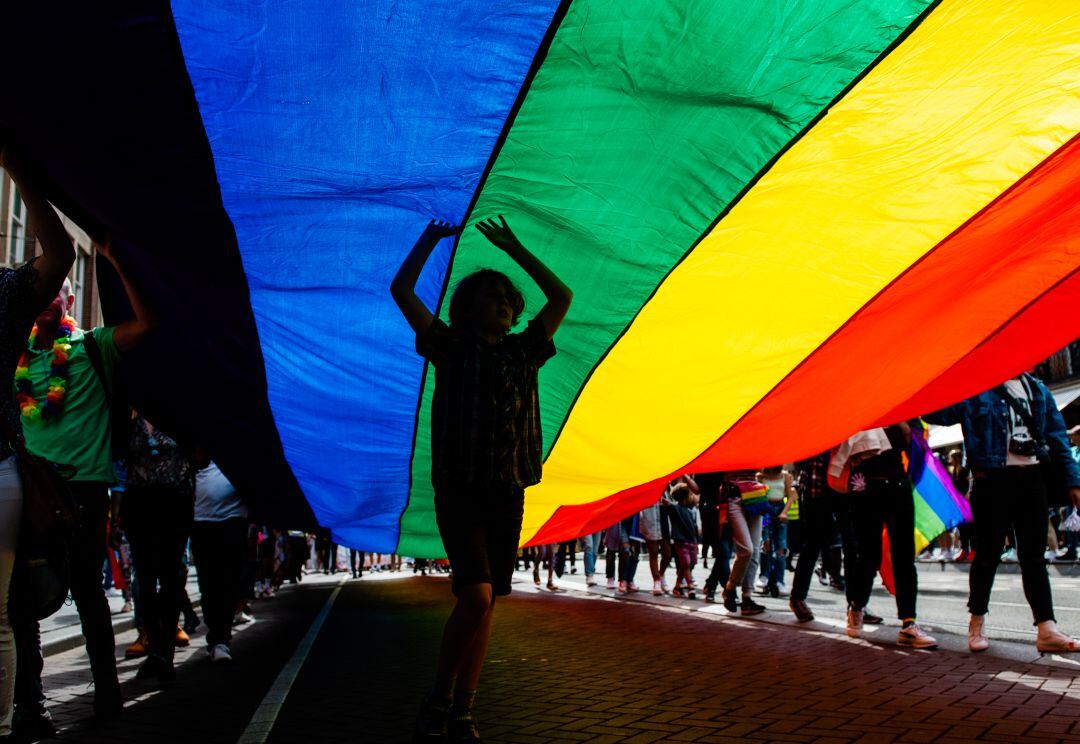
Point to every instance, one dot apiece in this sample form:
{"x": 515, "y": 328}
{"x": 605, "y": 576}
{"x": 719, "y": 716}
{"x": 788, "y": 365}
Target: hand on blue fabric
{"x": 439, "y": 229}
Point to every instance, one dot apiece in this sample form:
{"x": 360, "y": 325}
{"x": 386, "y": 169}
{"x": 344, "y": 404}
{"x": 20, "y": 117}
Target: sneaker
{"x": 462, "y": 727}
{"x": 431, "y": 721}
{"x": 114, "y": 592}
{"x": 622, "y": 587}
{"x": 1069, "y": 555}
{"x": 128, "y": 607}
{"x": 915, "y": 637}
{"x": 573, "y": 569}
{"x": 731, "y": 604}
{"x": 137, "y": 649}
{"x": 1009, "y": 556}
{"x": 870, "y": 618}
{"x": 761, "y": 583}
{"x": 220, "y": 653}
{"x": 854, "y": 623}
{"x": 632, "y": 587}
{"x": 182, "y": 638}
{"x": 773, "y": 591}
{"x": 657, "y": 590}
{"x": 782, "y": 590}
{"x": 611, "y": 583}
{"x": 664, "y": 585}
{"x": 977, "y": 640}
{"x": 710, "y": 596}
{"x": 801, "y": 610}
{"x": 242, "y": 618}
{"x": 589, "y": 580}
{"x": 750, "y": 607}
{"x": 691, "y": 594}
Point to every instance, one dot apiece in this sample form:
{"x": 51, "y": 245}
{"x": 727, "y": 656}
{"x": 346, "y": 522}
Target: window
{"x": 78, "y": 283}
{"x": 16, "y": 228}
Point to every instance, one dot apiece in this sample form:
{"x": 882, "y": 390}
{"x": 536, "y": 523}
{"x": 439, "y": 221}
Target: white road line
{"x": 260, "y": 725}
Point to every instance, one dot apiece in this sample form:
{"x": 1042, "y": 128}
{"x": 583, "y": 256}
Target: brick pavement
{"x": 581, "y": 667}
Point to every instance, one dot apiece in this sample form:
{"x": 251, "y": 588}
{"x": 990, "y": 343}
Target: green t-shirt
{"x": 82, "y": 436}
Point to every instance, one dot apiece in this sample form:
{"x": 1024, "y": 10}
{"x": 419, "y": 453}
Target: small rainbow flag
{"x": 938, "y": 505}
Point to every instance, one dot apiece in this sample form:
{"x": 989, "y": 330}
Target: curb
{"x": 67, "y": 641}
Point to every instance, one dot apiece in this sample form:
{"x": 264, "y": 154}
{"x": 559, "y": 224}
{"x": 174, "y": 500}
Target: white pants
{"x": 10, "y": 515}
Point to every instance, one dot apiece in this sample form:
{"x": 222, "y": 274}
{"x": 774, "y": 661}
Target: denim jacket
{"x": 985, "y": 421}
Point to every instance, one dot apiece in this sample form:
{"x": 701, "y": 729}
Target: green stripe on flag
{"x": 645, "y": 122}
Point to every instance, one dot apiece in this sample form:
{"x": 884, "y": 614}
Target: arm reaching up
{"x": 57, "y": 252}
{"x": 558, "y": 294}
{"x": 130, "y": 333}
{"x": 403, "y": 288}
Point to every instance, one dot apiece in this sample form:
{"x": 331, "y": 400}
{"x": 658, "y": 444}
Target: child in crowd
{"x": 686, "y": 532}
{"x": 486, "y": 447}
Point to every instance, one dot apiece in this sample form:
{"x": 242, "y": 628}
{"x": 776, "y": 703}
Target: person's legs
{"x": 900, "y": 522}
{"x": 10, "y": 516}
{"x": 653, "y": 546}
{"x": 816, "y": 525}
{"x": 753, "y": 523}
{"x": 740, "y": 533}
{"x": 464, "y": 640}
{"x": 1027, "y": 507}
{"x": 87, "y": 554}
{"x": 992, "y": 522}
{"x": 867, "y": 517}
{"x": 721, "y": 569}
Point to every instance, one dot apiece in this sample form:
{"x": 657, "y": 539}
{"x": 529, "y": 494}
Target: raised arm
{"x": 403, "y": 288}
{"x": 57, "y": 252}
{"x": 130, "y": 333}
{"x": 558, "y": 294}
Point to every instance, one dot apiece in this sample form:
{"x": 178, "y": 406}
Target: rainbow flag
{"x": 939, "y": 507}
{"x": 761, "y": 209}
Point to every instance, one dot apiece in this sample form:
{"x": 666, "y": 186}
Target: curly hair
{"x": 467, "y": 289}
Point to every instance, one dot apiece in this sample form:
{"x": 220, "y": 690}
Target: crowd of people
{"x": 141, "y": 502}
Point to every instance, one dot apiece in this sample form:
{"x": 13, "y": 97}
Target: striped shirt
{"x": 485, "y": 414}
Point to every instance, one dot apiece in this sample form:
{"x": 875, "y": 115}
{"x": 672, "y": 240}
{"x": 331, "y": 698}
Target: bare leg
{"x": 471, "y": 617}
{"x": 472, "y": 659}
{"x": 654, "y": 558}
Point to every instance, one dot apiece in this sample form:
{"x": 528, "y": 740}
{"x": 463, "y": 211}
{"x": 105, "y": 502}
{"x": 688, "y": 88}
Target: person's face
{"x": 491, "y": 310}
{"x": 52, "y": 315}
{"x": 1075, "y": 439}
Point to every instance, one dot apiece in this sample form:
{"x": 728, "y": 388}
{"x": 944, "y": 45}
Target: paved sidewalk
{"x": 579, "y": 666}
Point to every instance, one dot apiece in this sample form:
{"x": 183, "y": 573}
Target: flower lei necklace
{"x": 58, "y": 376}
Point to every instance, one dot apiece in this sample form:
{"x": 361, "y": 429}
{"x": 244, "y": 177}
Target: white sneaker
{"x": 220, "y": 654}
{"x": 977, "y": 640}
{"x": 1050, "y": 555}
{"x": 114, "y": 592}
{"x": 589, "y": 580}
{"x": 782, "y": 589}
{"x": 611, "y": 583}
{"x": 657, "y": 588}
{"x": 915, "y": 637}
{"x": 664, "y": 585}
{"x": 1009, "y": 556}
{"x": 761, "y": 582}
{"x": 854, "y": 623}
{"x": 242, "y": 618}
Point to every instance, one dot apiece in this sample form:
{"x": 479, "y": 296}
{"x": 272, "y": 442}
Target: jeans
{"x": 746, "y": 533}
{"x": 1011, "y": 497}
{"x": 219, "y": 558}
{"x": 590, "y": 544}
{"x": 158, "y": 524}
{"x": 11, "y": 501}
{"x": 628, "y": 561}
{"x": 87, "y": 553}
{"x": 888, "y": 505}
{"x": 774, "y": 562}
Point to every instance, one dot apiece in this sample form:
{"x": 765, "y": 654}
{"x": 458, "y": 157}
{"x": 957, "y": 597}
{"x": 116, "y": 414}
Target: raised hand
{"x": 499, "y": 234}
{"x": 439, "y": 229}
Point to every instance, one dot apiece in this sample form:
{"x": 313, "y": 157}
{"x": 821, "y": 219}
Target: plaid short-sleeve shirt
{"x": 485, "y": 415}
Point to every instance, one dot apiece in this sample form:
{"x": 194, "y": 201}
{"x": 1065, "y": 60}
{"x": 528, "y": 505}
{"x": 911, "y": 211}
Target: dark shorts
{"x": 480, "y": 528}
